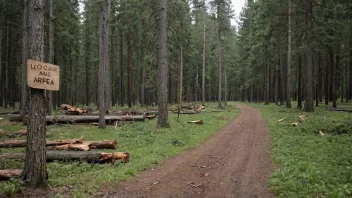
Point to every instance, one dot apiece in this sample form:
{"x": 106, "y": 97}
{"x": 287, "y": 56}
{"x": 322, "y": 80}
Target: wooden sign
{"x": 43, "y": 75}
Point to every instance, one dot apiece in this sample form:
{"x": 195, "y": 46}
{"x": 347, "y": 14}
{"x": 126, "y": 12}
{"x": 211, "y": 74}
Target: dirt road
{"x": 235, "y": 162}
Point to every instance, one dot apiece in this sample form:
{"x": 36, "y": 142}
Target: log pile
{"x": 73, "y": 144}
{"x": 191, "y": 109}
{"x": 13, "y": 134}
{"x": 87, "y": 156}
{"x": 71, "y": 110}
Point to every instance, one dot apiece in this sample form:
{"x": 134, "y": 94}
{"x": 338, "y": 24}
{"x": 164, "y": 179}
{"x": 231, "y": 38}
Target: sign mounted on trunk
{"x": 43, "y": 75}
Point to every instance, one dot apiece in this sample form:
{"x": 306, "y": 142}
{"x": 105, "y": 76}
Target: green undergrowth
{"x": 146, "y": 144}
{"x": 309, "y": 164}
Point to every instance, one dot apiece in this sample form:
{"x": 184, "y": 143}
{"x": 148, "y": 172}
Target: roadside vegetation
{"x": 146, "y": 144}
{"x": 309, "y": 163}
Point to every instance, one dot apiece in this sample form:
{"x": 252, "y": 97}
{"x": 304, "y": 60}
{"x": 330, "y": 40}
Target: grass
{"x": 146, "y": 144}
{"x": 309, "y": 164}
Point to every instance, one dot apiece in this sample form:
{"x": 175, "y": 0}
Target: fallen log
{"x": 90, "y": 118}
{"x": 9, "y": 173}
{"x": 105, "y": 144}
{"x": 13, "y": 134}
{"x": 196, "y": 122}
{"x": 23, "y": 143}
{"x": 87, "y": 156}
{"x": 16, "y": 118}
{"x": 337, "y": 109}
{"x": 67, "y": 147}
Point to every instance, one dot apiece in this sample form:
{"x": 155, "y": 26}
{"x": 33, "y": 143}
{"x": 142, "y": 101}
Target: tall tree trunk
{"x": 282, "y": 77}
{"x": 103, "y": 60}
{"x": 203, "y": 69}
{"x": 309, "y": 100}
{"x": 122, "y": 91}
{"x": 51, "y": 53}
{"x": 142, "y": 99}
{"x": 1, "y": 79}
{"x": 129, "y": 76}
{"x": 225, "y": 86}
{"x": 350, "y": 70}
{"x": 326, "y": 83}
{"x": 106, "y": 43}
{"x": 288, "y": 70}
{"x": 25, "y": 88}
{"x": 163, "y": 70}
{"x": 86, "y": 62}
{"x": 299, "y": 79}
{"x": 219, "y": 56}
{"x": 318, "y": 82}
{"x": 267, "y": 78}
{"x": 277, "y": 77}
{"x": 334, "y": 78}
{"x": 180, "y": 82}
{"x": 34, "y": 172}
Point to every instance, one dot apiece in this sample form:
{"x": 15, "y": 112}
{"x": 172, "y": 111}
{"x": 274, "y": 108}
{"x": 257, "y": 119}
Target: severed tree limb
{"x": 87, "y": 156}
{"x": 23, "y": 143}
{"x": 9, "y": 173}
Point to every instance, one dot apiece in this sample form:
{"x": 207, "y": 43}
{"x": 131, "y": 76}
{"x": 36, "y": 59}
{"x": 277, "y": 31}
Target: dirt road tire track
{"x": 234, "y": 162}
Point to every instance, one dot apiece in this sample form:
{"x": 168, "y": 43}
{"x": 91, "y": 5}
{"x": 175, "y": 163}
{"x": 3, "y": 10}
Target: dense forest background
{"x": 281, "y": 50}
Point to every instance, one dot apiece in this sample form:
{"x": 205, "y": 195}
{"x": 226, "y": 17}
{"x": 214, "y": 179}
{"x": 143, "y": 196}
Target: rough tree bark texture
{"x": 103, "y": 61}
{"x": 204, "y": 42}
{"x": 129, "y": 68}
{"x": 309, "y": 100}
{"x": 299, "y": 79}
{"x": 180, "y": 82}
{"x": 163, "y": 67}
{"x": 25, "y": 88}
{"x": 288, "y": 74}
{"x": 34, "y": 172}
{"x": 219, "y": 56}
{"x": 1, "y": 21}
{"x": 51, "y": 52}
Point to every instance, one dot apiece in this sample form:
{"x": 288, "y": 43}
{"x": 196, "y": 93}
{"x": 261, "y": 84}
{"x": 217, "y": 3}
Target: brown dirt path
{"x": 235, "y": 162}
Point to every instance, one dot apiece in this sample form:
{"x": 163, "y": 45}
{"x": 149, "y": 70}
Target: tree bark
{"x": 326, "y": 84}
{"x": 288, "y": 70}
{"x": 34, "y": 173}
{"x": 87, "y": 65}
{"x": 219, "y": 56}
{"x": 129, "y": 76}
{"x": 23, "y": 143}
{"x": 350, "y": 70}
{"x": 24, "y": 87}
{"x": 203, "y": 69}
{"x": 51, "y": 52}
{"x": 88, "y": 156}
{"x": 180, "y": 82}
{"x": 163, "y": 70}
{"x": 309, "y": 100}
{"x": 1, "y": 80}
{"x": 103, "y": 61}
{"x": 122, "y": 91}
{"x": 299, "y": 79}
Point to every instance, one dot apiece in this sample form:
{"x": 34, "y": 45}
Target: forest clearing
{"x": 175, "y": 98}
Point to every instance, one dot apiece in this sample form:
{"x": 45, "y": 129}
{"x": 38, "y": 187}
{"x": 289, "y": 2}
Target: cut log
{"x": 196, "y": 122}
{"x": 337, "y": 109}
{"x": 302, "y": 118}
{"x": 67, "y": 147}
{"x": 91, "y": 118}
{"x": 201, "y": 107}
{"x": 13, "y": 134}
{"x": 16, "y": 118}
{"x": 150, "y": 116}
{"x": 105, "y": 144}
{"x": 281, "y": 119}
{"x": 10, "y": 173}
{"x": 66, "y": 106}
{"x": 295, "y": 124}
{"x": 87, "y": 156}
{"x": 23, "y": 143}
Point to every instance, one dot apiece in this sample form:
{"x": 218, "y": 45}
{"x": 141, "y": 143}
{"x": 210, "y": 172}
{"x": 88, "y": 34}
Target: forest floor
{"x": 235, "y": 162}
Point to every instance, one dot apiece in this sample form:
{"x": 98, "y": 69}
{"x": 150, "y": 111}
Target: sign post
{"x": 43, "y": 75}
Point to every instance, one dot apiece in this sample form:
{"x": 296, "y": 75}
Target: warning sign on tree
{"x": 43, "y": 75}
